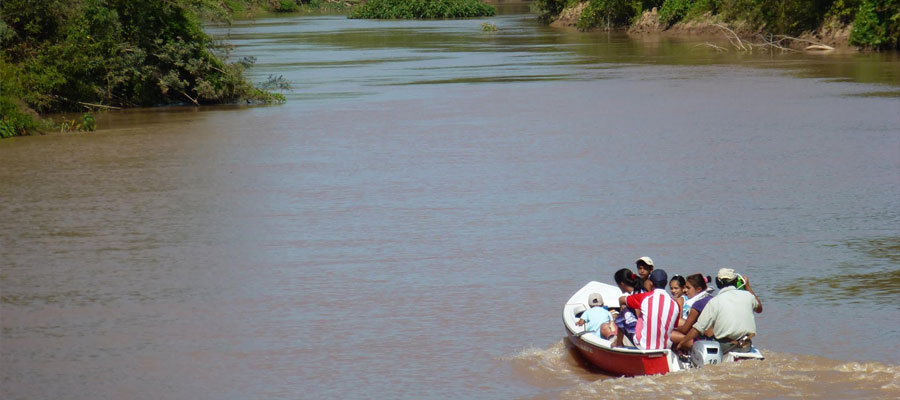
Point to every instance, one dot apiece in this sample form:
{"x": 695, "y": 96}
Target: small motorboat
{"x": 629, "y": 360}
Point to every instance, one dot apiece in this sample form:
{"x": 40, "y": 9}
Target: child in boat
{"x": 626, "y": 320}
{"x": 676, "y": 286}
{"x": 597, "y": 318}
{"x": 644, "y": 267}
{"x": 695, "y": 286}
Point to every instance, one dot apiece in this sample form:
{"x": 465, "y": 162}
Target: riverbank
{"x": 834, "y": 36}
{"x": 83, "y": 56}
{"x": 842, "y": 26}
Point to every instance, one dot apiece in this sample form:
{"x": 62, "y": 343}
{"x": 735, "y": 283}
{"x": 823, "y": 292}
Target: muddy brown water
{"x": 410, "y": 222}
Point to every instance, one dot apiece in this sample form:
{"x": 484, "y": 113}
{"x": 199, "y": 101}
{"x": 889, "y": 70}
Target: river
{"x": 409, "y": 224}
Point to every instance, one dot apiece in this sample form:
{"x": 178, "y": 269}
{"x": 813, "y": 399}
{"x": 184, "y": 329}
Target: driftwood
{"x": 818, "y": 47}
{"x": 720, "y": 49}
{"x": 89, "y": 105}
{"x": 767, "y": 42}
{"x": 193, "y": 100}
{"x": 734, "y": 39}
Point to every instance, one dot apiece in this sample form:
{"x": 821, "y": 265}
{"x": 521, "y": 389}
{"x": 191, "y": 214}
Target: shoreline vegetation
{"x": 88, "y": 55}
{"x": 784, "y": 25}
{"x": 422, "y": 9}
{"x": 72, "y": 56}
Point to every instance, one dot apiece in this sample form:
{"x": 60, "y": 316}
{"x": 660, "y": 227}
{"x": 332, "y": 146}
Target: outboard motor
{"x": 706, "y": 352}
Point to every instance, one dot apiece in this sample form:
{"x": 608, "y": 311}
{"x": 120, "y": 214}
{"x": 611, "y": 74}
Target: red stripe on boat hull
{"x": 621, "y": 363}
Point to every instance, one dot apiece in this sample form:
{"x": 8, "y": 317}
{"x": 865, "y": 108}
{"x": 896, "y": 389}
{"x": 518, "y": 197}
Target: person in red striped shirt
{"x": 657, "y": 313}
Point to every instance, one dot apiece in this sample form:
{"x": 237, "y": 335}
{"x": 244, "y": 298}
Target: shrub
{"x": 87, "y": 122}
{"x": 782, "y": 16}
{"x": 550, "y": 9}
{"x": 287, "y": 6}
{"x": 608, "y": 12}
{"x": 673, "y": 11}
{"x": 488, "y": 27}
{"x": 59, "y": 55}
{"x": 14, "y": 121}
{"x": 843, "y": 10}
{"x": 877, "y": 25}
{"x": 422, "y": 9}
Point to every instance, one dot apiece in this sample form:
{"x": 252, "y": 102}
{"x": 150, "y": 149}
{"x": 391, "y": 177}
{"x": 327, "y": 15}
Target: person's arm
{"x": 580, "y": 322}
{"x": 758, "y": 308}
{"x": 705, "y": 322}
{"x": 634, "y": 302}
{"x": 688, "y": 338}
{"x": 680, "y": 302}
{"x": 689, "y": 322}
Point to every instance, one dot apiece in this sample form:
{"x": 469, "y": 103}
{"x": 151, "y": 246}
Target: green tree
{"x": 411, "y": 9}
{"x": 60, "y": 55}
{"x": 877, "y": 25}
{"x": 611, "y": 13}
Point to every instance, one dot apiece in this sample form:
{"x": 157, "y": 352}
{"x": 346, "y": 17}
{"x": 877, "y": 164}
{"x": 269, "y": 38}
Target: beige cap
{"x": 645, "y": 260}
{"x": 726, "y": 274}
{"x": 595, "y": 300}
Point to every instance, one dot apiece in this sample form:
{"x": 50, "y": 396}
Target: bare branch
{"x": 737, "y": 40}
{"x": 720, "y": 49}
{"x": 98, "y": 105}
{"x": 193, "y": 100}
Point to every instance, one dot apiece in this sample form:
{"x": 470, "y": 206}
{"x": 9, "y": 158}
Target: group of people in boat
{"x": 652, "y": 318}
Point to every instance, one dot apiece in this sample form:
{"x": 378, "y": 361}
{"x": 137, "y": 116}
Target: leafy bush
{"x": 60, "y": 55}
{"x": 87, "y": 122}
{"x": 550, "y": 9}
{"x": 673, "y": 11}
{"x": 608, "y": 12}
{"x": 782, "y": 16}
{"x": 877, "y": 25}
{"x": 488, "y": 27}
{"x": 422, "y": 9}
{"x": 843, "y": 10}
{"x": 14, "y": 121}
{"x": 287, "y": 6}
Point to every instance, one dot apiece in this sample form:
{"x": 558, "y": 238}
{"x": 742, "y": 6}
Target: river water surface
{"x": 409, "y": 224}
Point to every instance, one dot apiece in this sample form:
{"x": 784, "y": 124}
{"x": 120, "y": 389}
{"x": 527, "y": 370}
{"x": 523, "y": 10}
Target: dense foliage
{"x": 876, "y": 23}
{"x": 65, "y": 55}
{"x": 609, "y": 13}
{"x": 549, "y": 9}
{"x": 411, "y": 9}
{"x": 250, "y": 7}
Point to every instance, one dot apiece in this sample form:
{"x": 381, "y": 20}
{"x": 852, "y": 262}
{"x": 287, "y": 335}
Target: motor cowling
{"x": 706, "y": 352}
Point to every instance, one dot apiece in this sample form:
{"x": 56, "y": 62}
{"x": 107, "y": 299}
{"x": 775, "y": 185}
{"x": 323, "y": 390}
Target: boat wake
{"x": 559, "y": 365}
{"x": 780, "y": 375}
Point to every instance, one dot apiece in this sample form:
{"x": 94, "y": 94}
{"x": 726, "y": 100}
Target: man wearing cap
{"x": 729, "y": 315}
{"x": 597, "y": 318}
{"x": 657, "y": 313}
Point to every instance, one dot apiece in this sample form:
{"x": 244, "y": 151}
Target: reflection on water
{"x": 335, "y": 57}
{"x": 881, "y": 285}
{"x": 880, "y": 94}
